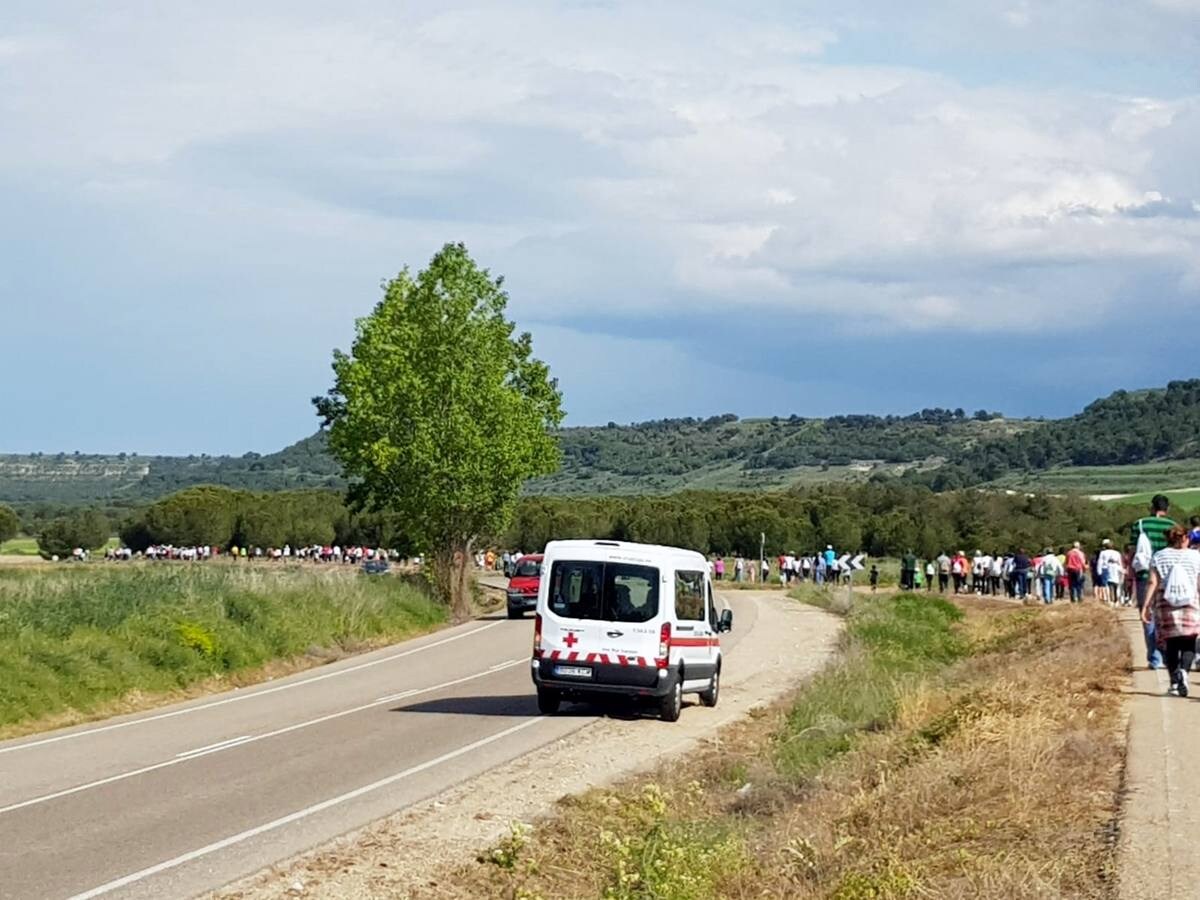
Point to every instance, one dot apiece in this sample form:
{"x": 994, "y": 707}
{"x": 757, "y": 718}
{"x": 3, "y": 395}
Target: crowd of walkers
{"x": 1049, "y": 575}
{"x": 319, "y": 553}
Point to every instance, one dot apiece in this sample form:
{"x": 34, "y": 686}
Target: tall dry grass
{"x": 983, "y": 761}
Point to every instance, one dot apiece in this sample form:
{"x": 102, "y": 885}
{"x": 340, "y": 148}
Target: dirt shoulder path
{"x": 412, "y": 848}
{"x": 1156, "y": 856}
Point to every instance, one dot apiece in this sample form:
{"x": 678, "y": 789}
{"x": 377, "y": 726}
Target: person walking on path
{"x": 908, "y": 576}
{"x": 874, "y": 578}
{"x": 1149, "y": 535}
{"x": 1048, "y": 571}
{"x": 1110, "y": 571}
{"x": 931, "y": 574}
{"x": 1021, "y": 566}
{"x": 1077, "y": 565}
{"x": 1172, "y": 606}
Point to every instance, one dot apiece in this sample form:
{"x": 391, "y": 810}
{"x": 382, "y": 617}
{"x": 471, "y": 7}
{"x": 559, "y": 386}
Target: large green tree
{"x": 10, "y": 524}
{"x": 440, "y": 412}
{"x": 85, "y": 528}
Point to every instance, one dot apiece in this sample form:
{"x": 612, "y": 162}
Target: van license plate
{"x": 573, "y": 671}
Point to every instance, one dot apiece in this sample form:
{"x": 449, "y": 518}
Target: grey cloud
{"x": 1164, "y": 208}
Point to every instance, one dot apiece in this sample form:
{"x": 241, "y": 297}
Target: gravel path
{"x": 412, "y": 848}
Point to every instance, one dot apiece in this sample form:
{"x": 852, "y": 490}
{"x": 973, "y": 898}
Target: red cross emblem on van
{"x": 570, "y": 640}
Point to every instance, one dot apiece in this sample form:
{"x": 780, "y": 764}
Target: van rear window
{"x": 608, "y": 592}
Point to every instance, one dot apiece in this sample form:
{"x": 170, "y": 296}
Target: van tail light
{"x": 537, "y": 636}
{"x": 664, "y": 645}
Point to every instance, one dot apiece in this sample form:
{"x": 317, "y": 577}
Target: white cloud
{"x": 681, "y": 157}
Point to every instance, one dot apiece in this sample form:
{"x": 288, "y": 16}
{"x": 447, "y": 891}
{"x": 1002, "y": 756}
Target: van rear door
{"x": 601, "y": 616}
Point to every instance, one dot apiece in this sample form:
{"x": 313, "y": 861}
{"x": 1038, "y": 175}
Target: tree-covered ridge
{"x": 675, "y": 447}
{"x": 1125, "y": 428}
{"x": 938, "y": 447}
{"x": 646, "y": 457}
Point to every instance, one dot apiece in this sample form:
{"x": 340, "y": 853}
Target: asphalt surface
{"x": 186, "y": 798}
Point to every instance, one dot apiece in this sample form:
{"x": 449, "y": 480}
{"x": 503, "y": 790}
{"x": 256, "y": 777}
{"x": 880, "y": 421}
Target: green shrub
{"x": 889, "y": 639}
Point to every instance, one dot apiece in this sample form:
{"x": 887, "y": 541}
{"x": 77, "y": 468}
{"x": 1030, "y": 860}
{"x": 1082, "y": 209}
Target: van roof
{"x": 602, "y": 549}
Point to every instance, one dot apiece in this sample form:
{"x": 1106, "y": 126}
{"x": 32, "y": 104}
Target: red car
{"x": 523, "y": 586}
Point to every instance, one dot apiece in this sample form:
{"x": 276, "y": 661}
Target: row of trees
{"x": 222, "y": 517}
{"x": 882, "y": 519}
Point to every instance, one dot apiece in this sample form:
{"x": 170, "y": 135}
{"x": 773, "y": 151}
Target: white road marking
{"x": 217, "y": 748}
{"x": 274, "y": 824}
{"x": 249, "y": 694}
{"x": 219, "y": 745}
{"x": 400, "y": 696}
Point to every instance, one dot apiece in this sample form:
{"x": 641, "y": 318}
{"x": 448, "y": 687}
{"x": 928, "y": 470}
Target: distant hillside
{"x": 1127, "y": 442}
{"x": 724, "y": 453}
{"x": 1096, "y": 449}
{"x": 73, "y": 479}
{"x": 649, "y": 457}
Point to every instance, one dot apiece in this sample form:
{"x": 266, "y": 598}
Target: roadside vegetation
{"x": 81, "y": 642}
{"x": 953, "y": 750}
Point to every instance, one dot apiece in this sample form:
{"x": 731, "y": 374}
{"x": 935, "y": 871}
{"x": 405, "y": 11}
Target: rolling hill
{"x": 1128, "y": 442}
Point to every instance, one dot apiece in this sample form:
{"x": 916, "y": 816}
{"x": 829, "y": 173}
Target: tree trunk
{"x": 461, "y": 607}
{"x": 451, "y": 571}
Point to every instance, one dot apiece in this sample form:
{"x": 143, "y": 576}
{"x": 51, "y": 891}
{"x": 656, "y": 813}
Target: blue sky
{"x": 763, "y": 207}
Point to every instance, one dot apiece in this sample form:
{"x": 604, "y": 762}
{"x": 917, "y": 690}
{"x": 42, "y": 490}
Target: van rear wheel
{"x": 672, "y": 705}
{"x": 713, "y": 694}
{"x": 548, "y": 701}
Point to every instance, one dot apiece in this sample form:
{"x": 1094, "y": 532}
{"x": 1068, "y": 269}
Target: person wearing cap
{"x": 1111, "y": 568}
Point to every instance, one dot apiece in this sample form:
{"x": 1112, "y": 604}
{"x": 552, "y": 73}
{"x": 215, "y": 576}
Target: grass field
{"x": 928, "y": 761}
{"x": 21, "y": 546}
{"x": 1150, "y": 477}
{"x": 78, "y": 641}
{"x": 1180, "y": 500}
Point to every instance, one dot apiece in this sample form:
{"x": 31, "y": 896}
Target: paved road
{"x": 1160, "y": 816}
{"x": 187, "y": 798}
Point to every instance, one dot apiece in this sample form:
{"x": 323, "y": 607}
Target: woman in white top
{"x": 1175, "y": 604}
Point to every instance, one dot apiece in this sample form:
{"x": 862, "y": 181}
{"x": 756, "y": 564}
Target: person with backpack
{"x": 1172, "y": 607}
{"x": 1048, "y": 569}
{"x": 1149, "y": 535}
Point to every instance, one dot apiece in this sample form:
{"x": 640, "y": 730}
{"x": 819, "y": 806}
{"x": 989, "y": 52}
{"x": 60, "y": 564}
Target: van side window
{"x": 713, "y": 618}
{"x": 610, "y": 592}
{"x": 689, "y": 596}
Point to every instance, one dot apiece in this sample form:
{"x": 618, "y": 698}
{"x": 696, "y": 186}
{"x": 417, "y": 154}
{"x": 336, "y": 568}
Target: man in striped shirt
{"x": 1155, "y": 527}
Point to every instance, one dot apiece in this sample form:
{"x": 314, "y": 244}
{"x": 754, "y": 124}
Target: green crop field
{"x": 75, "y": 637}
{"x": 21, "y": 546}
{"x": 1148, "y": 478}
{"x": 1180, "y": 500}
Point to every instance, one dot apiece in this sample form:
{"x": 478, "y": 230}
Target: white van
{"x": 622, "y": 618}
